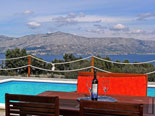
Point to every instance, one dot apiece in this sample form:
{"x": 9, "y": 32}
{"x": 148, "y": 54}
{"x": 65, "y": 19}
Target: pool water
{"x": 32, "y": 88}
{"x": 151, "y": 91}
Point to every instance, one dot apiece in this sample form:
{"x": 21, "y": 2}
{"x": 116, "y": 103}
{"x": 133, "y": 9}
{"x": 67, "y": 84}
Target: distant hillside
{"x": 59, "y": 43}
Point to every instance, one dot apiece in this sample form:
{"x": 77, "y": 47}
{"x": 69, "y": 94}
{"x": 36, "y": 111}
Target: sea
{"x": 130, "y": 57}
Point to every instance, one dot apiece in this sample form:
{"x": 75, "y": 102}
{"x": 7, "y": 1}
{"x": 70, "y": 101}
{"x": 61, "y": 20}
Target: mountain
{"x": 59, "y": 43}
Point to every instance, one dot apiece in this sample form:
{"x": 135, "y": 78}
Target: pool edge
{"x": 2, "y": 106}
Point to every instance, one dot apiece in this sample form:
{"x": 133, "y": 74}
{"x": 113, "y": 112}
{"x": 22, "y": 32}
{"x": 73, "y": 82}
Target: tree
{"x": 70, "y": 66}
{"x": 39, "y": 64}
{"x": 14, "y": 63}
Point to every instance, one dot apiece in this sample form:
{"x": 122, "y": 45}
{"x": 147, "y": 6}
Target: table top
{"x": 69, "y": 102}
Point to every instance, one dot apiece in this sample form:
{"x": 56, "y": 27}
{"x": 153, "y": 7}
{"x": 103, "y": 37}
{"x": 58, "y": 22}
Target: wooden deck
{"x": 69, "y": 104}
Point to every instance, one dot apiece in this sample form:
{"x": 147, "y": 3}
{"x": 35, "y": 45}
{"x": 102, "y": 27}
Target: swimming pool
{"x": 34, "y": 88}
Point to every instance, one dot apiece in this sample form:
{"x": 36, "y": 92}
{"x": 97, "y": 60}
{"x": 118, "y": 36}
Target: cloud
{"x": 80, "y": 18}
{"x": 119, "y": 27}
{"x": 138, "y": 31}
{"x": 64, "y": 20}
{"x": 82, "y": 14}
{"x": 88, "y": 19}
{"x": 69, "y": 19}
{"x": 71, "y": 15}
{"x": 141, "y": 32}
{"x": 27, "y": 12}
{"x": 43, "y": 19}
{"x": 60, "y": 20}
{"x": 99, "y": 26}
{"x": 33, "y": 25}
{"x": 145, "y": 16}
{"x": 153, "y": 32}
{"x": 103, "y": 19}
{"x": 98, "y": 31}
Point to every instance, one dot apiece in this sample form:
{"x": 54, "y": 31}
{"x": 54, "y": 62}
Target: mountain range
{"x": 58, "y": 43}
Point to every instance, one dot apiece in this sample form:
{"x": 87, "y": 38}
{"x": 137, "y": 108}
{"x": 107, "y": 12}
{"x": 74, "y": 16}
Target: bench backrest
{"x": 97, "y": 108}
{"x": 120, "y": 83}
{"x": 23, "y": 105}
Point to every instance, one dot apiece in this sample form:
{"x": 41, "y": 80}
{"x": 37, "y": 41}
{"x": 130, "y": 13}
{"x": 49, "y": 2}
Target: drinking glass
{"x": 105, "y": 86}
{"x": 89, "y": 86}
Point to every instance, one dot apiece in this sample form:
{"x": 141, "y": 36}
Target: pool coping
{"x": 151, "y": 84}
{"x": 42, "y": 80}
{"x": 52, "y": 80}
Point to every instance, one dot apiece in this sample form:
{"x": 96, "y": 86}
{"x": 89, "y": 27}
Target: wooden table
{"x": 69, "y": 106}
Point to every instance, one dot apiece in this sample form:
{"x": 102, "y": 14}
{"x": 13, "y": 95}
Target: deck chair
{"x": 97, "y": 108}
{"x": 30, "y": 105}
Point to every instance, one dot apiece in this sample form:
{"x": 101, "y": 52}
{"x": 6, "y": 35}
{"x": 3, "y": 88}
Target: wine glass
{"x": 105, "y": 86}
{"x": 89, "y": 86}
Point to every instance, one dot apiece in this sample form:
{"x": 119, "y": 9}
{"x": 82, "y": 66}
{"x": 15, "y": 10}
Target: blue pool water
{"x": 32, "y": 88}
{"x": 151, "y": 91}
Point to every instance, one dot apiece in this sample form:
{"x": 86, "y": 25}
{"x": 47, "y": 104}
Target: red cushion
{"x": 134, "y": 85}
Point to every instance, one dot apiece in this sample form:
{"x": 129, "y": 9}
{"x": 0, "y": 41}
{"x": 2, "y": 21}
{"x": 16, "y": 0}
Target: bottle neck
{"x": 94, "y": 74}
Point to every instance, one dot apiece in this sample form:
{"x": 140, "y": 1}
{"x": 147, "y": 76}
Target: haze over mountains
{"x": 59, "y": 43}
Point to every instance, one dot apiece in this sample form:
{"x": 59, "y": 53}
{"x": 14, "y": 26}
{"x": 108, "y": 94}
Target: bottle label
{"x": 94, "y": 90}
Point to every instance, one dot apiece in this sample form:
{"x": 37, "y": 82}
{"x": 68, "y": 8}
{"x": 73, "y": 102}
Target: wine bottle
{"x": 94, "y": 95}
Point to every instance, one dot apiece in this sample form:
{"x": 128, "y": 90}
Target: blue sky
{"x": 90, "y": 18}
